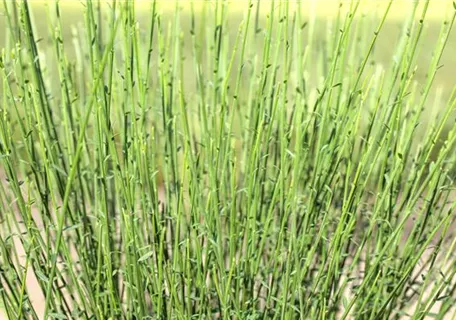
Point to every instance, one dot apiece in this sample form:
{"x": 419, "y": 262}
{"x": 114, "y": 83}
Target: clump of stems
{"x": 192, "y": 166}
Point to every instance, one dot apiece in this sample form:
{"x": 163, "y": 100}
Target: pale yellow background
{"x": 437, "y": 8}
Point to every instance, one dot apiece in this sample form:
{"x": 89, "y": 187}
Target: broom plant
{"x": 193, "y": 166}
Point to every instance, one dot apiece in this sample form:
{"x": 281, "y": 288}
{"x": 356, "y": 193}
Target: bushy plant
{"x": 194, "y": 166}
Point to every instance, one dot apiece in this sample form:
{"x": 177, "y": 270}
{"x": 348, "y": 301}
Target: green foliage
{"x": 167, "y": 169}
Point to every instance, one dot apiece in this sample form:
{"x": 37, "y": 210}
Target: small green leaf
{"x": 41, "y": 276}
{"x": 146, "y": 256}
{"x": 57, "y": 316}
